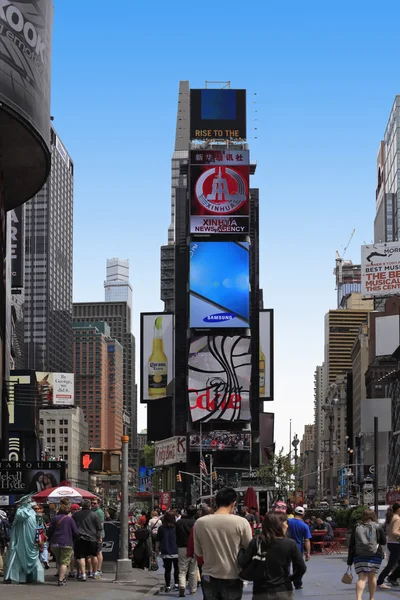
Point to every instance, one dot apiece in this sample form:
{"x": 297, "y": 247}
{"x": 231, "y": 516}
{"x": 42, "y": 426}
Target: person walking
{"x": 167, "y": 544}
{"x": 301, "y": 534}
{"x": 282, "y": 554}
{"x": 95, "y": 506}
{"x": 4, "y": 539}
{"x": 90, "y": 536}
{"x": 43, "y": 522}
{"x": 61, "y": 534}
{"x": 365, "y": 551}
{"x": 217, "y": 540}
{"x": 393, "y": 544}
{"x": 187, "y": 565}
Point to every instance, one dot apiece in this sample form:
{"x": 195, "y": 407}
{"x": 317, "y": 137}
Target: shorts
{"x": 62, "y": 554}
{"x": 85, "y": 548}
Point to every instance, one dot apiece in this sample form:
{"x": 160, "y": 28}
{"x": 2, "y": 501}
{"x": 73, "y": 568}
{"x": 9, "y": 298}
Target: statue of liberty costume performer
{"x": 23, "y": 564}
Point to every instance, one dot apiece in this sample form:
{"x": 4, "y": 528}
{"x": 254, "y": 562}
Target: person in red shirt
{"x": 142, "y": 521}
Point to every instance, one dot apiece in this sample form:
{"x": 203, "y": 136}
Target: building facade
{"x": 48, "y": 240}
{"x": 117, "y": 287}
{"x": 64, "y": 437}
{"x": 98, "y": 383}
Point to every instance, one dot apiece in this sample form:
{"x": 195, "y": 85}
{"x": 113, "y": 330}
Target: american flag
{"x": 203, "y": 465}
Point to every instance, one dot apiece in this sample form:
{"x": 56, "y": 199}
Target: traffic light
{"x": 179, "y": 478}
{"x": 91, "y": 461}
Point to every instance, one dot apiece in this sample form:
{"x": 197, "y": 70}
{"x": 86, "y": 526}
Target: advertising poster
{"x": 219, "y": 191}
{"x": 221, "y": 440}
{"x": 267, "y": 446}
{"x": 266, "y": 355}
{"x": 217, "y": 114}
{"x": 170, "y": 451}
{"x": 30, "y": 477}
{"x": 219, "y": 378}
{"x": 219, "y": 285}
{"x": 380, "y": 269}
{"x": 17, "y": 248}
{"x": 157, "y": 354}
{"x": 56, "y": 389}
{"x": 146, "y": 479}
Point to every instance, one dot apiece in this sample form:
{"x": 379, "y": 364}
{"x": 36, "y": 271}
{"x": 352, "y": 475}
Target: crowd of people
{"x": 73, "y": 536}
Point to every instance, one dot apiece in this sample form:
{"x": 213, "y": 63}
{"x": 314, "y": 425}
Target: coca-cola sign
{"x": 171, "y": 451}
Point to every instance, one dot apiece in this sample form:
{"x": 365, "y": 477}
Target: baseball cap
{"x": 299, "y": 510}
{"x": 75, "y": 507}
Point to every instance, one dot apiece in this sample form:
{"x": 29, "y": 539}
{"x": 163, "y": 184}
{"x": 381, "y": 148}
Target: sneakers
{"x": 394, "y": 582}
{"x": 298, "y": 587}
{"x": 81, "y": 577}
{"x": 91, "y": 575}
{"x": 168, "y": 589}
{"x": 97, "y": 576}
{"x": 181, "y": 592}
{"x": 71, "y": 575}
{"x": 176, "y": 586}
{"x": 63, "y": 582}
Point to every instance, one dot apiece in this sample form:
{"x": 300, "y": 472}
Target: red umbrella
{"x": 250, "y": 498}
{"x": 57, "y": 491}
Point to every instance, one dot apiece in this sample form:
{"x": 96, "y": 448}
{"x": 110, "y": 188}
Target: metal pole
{"x": 376, "y": 487}
{"x": 211, "y": 479}
{"x": 331, "y": 428}
{"x": 201, "y": 471}
{"x": 124, "y": 571}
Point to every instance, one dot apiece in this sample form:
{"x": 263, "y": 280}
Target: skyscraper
{"x": 117, "y": 286}
{"x": 48, "y": 268}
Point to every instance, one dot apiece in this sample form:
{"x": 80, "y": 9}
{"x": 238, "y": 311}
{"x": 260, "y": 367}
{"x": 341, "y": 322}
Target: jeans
{"x": 187, "y": 566}
{"x": 272, "y": 595}
{"x": 44, "y": 555}
{"x": 168, "y": 562}
{"x": 221, "y": 589}
{"x": 394, "y": 558}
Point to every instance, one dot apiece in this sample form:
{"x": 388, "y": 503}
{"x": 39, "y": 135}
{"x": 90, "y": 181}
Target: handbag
{"x": 348, "y": 577}
{"x": 255, "y": 570}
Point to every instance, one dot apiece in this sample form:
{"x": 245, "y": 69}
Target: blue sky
{"x": 321, "y": 79}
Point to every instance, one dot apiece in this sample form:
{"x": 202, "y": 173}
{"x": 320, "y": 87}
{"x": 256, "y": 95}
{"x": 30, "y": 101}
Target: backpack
{"x": 366, "y": 539}
{"x": 4, "y": 532}
{"x": 155, "y": 527}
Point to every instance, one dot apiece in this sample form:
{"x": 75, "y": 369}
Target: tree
{"x": 149, "y": 455}
{"x": 278, "y": 476}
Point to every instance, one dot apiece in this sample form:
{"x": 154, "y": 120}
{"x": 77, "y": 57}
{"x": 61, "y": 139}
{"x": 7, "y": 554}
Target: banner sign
{"x": 157, "y": 354}
{"x": 30, "y": 477}
{"x": 221, "y": 440}
{"x": 219, "y": 285}
{"x": 170, "y": 451}
{"x": 219, "y": 378}
{"x": 146, "y": 479}
{"x": 380, "y": 269}
{"x": 56, "y": 389}
{"x": 266, "y": 355}
{"x": 217, "y": 114}
{"x": 17, "y": 248}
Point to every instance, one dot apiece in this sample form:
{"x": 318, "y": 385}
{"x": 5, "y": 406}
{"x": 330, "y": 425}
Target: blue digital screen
{"x": 218, "y": 105}
{"x": 219, "y": 285}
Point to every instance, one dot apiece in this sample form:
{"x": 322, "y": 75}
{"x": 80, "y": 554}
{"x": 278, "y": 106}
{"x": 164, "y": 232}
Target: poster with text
{"x": 219, "y": 378}
{"x": 217, "y": 113}
{"x": 56, "y": 389}
{"x": 157, "y": 355}
{"x": 266, "y": 354}
{"x": 380, "y": 269}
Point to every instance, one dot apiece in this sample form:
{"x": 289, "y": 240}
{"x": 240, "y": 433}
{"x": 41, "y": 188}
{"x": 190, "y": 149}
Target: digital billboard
{"x": 56, "y": 389}
{"x": 219, "y": 285}
{"x": 266, "y": 355}
{"x": 267, "y": 446}
{"x": 30, "y": 477}
{"x": 221, "y": 440}
{"x": 219, "y": 378}
{"x": 157, "y": 354}
{"x": 219, "y": 191}
{"x": 17, "y": 247}
{"x": 146, "y": 479}
{"x": 380, "y": 269}
{"x": 217, "y": 114}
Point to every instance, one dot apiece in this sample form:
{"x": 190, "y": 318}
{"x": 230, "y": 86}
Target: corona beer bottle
{"x": 158, "y": 364}
{"x": 262, "y": 373}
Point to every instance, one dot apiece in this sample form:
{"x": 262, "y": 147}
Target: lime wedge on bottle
{"x": 158, "y": 323}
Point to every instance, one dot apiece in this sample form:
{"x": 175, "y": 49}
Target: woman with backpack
{"x": 393, "y": 543}
{"x": 365, "y": 551}
{"x": 278, "y": 553}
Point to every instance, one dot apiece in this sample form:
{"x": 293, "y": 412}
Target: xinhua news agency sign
{"x": 171, "y": 451}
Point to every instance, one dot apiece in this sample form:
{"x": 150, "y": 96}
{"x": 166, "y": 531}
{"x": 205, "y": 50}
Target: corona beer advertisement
{"x": 219, "y": 378}
{"x": 217, "y": 114}
{"x": 156, "y": 355}
{"x": 219, "y": 192}
{"x": 219, "y": 285}
{"x": 266, "y": 354}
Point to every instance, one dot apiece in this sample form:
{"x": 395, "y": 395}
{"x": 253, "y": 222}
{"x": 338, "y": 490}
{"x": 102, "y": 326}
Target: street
{"x": 322, "y": 580}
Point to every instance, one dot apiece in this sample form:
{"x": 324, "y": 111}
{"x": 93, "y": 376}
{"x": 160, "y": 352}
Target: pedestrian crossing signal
{"x": 91, "y": 461}
{"x": 179, "y": 478}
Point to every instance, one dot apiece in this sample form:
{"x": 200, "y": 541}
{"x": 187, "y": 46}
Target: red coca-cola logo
{"x": 204, "y": 401}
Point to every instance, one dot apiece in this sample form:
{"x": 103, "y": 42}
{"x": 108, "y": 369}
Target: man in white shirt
{"x": 217, "y": 540}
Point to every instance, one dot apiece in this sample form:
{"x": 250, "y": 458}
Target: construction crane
{"x": 339, "y": 269}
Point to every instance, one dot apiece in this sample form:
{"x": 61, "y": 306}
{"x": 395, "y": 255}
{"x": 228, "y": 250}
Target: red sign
{"x": 165, "y": 500}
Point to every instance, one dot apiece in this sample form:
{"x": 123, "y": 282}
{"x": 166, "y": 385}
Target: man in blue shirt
{"x": 300, "y": 533}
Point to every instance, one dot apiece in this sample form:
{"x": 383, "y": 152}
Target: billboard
{"x": 267, "y": 446}
{"x": 157, "y": 354}
{"x": 221, "y": 440}
{"x": 25, "y": 65}
{"x": 219, "y": 285}
{"x": 170, "y": 451}
{"x": 30, "y": 477}
{"x": 219, "y": 378}
{"x": 266, "y": 355}
{"x": 17, "y": 248}
{"x": 146, "y": 479}
{"x": 217, "y": 114}
{"x": 380, "y": 269}
{"x": 56, "y": 389}
{"x": 219, "y": 191}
